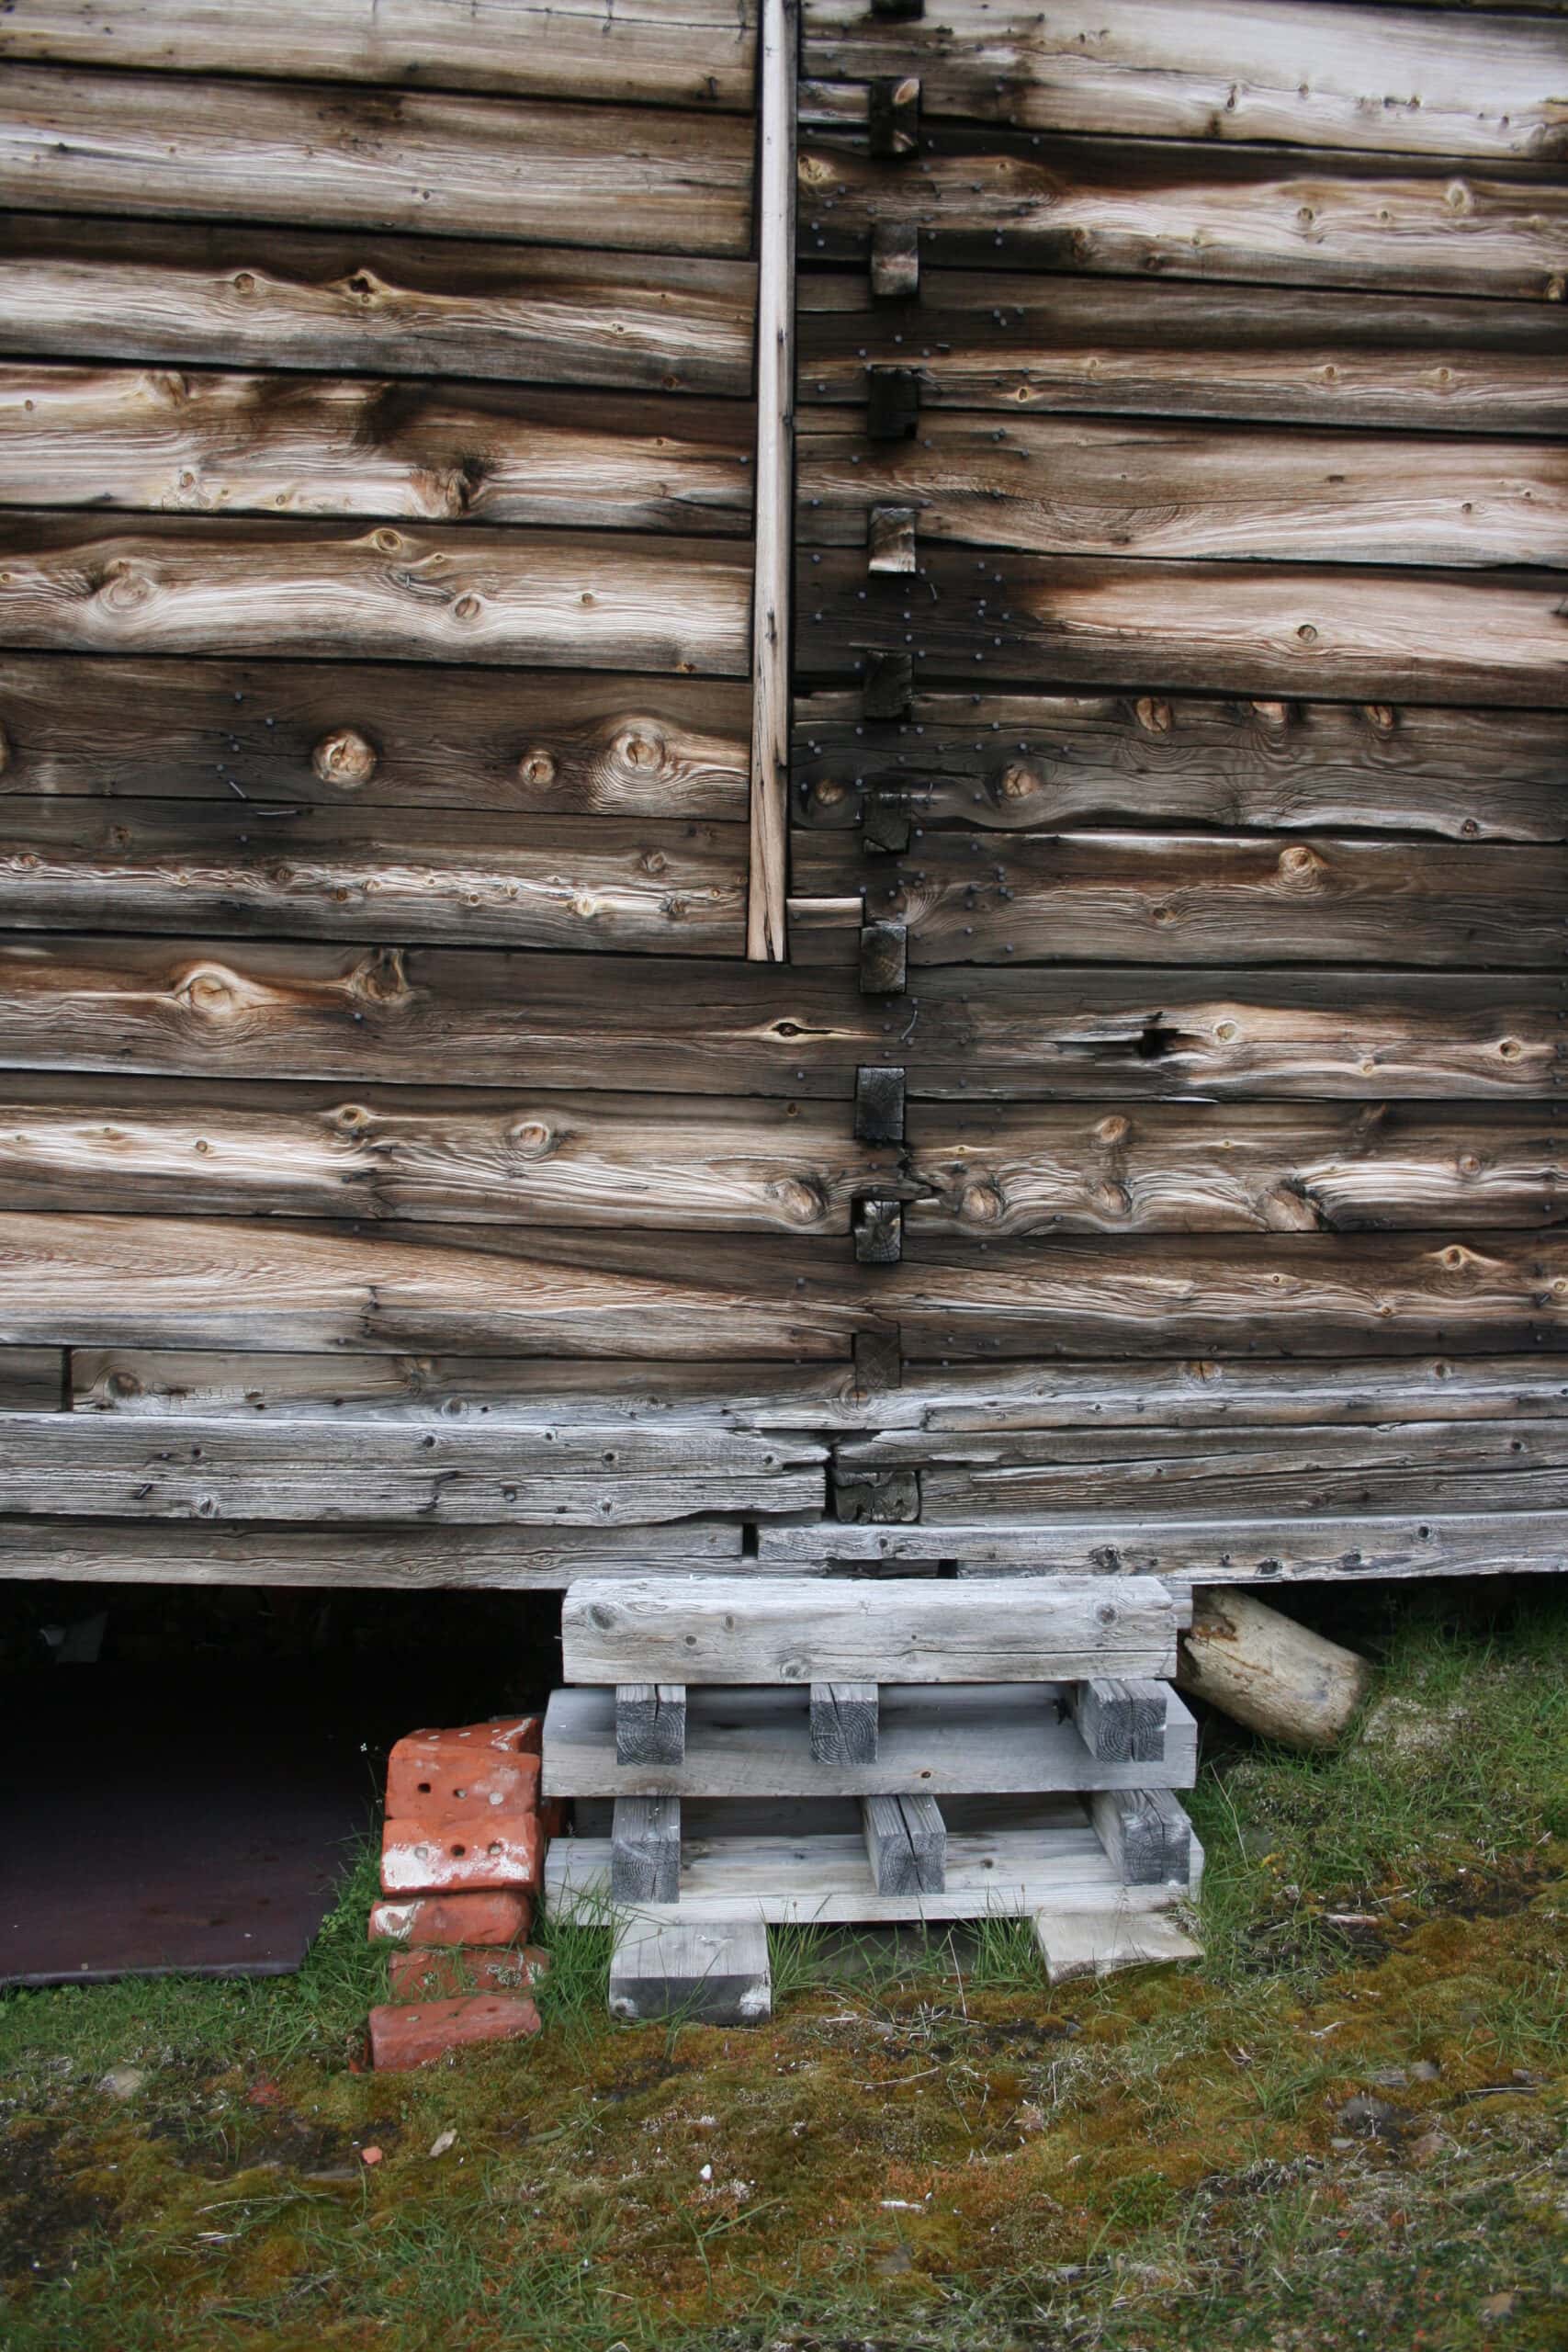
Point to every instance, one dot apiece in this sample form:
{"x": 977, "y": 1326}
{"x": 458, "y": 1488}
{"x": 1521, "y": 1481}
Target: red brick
{"x": 504, "y": 1846}
{"x": 417, "y": 2035}
{"x": 447, "y": 1975}
{"x": 435, "y": 1775}
{"x": 452, "y": 1919}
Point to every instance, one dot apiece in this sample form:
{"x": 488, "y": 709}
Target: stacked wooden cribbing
{"x": 832, "y": 1750}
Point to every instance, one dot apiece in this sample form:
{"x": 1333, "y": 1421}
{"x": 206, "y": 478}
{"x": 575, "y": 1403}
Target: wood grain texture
{"x": 668, "y": 53}
{"x": 1002, "y": 197}
{"x": 234, "y": 296}
{"x": 767, "y": 914}
{"x": 176, "y": 441}
{"x": 1007, "y": 341}
{"x": 1378, "y": 79}
{"x": 635, "y": 179}
{"x": 1036, "y": 762}
{"x": 624, "y": 883}
{"x": 456, "y": 594}
{"x": 1250, "y": 628}
{"x": 715, "y": 1972}
{"x": 1070, "y": 486}
{"x": 684, "y": 1163}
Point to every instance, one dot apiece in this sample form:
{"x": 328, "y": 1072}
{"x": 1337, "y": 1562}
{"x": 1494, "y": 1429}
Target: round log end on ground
{"x": 1269, "y": 1673}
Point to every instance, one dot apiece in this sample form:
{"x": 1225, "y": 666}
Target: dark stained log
{"x": 1032, "y": 762}
{"x": 1249, "y": 628}
{"x": 169, "y": 441}
{"x": 622, "y": 882}
{"x": 234, "y": 296}
{"x": 1068, "y": 486}
{"x": 34, "y": 1380}
{"x": 227, "y": 1009}
{"x": 530, "y": 743}
{"x": 1198, "y": 899}
{"x": 1255, "y": 1167}
{"x": 1363, "y": 78}
{"x": 685, "y": 1162}
{"x": 636, "y": 178}
{"x": 665, "y": 52}
{"x": 455, "y": 592}
{"x": 984, "y": 339}
{"x": 990, "y": 198}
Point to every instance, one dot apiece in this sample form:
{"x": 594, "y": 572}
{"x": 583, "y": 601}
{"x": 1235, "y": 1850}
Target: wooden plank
{"x": 237, "y": 296}
{"x": 1122, "y": 1720}
{"x": 645, "y": 1850}
{"x": 906, "y": 1844}
{"x": 666, "y": 52}
{"x": 1246, "y": 628}
{"x": 773, "y": 1629}
{"x": 1372, "y": 78}
{"x": 1219, "y": 1168}
{"x": 716, "y": 1973}
{"x": 845, "y": 1723}
{"x": 34, "y": 1380}
{"x": 986, "y": 1740}
{"x": 690, "y": 1163}
{"x": 1096, "y": 1943}
{"x": 767, "y": 935}
{"x": 650, "y": 1723}
{"x": 1145, "y": 1833}
{"x": 1035, "y": 762}
{"x": 634, "y": 179}
{"x": 173, "y": 441}
{"x": 992, "y": 197}
{"x": 462, "y": 592}
{"x": 1079, "y": 487}
{"x": 1007, "y": 341}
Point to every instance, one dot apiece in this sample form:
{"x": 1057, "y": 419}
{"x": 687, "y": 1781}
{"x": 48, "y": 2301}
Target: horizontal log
{"x": 669, "y": 52}
{"x": 1248, "y": 628}
{"x": 1076, "y": 487}
{"x": 1280, "y": 1167}
{"x": 690, "y": 1163}
{"x": 1195, "y": 897}
{"x": 409, "y": 1559}
{"x": 230, "y": 1009}
{"x": 633, "y": 178}
{"x": 623, "y": 883}
{"x": 1037, "y": 762}
{"x": 461, "y": 593}
{"x": 33, "y": 1380}
{"x": 992, "y": 197}
{"x": 234, "y": 296}
{"x": 1378, "y": 79}
{"x": 986, "y": 339}
{"x": 391, "y": 736}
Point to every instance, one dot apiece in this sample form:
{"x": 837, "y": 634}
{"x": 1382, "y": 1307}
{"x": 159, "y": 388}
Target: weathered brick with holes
{"x": 450, "y": 1975}
{"x": 417, "y": 2033}
{"x": 444, "y": 1775}
{"x": 503, "y": 1846}
{"x": 445, "y": 1920}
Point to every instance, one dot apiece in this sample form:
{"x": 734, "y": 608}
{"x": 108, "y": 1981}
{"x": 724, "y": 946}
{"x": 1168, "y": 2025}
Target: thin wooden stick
{"x": 766, "y": 932}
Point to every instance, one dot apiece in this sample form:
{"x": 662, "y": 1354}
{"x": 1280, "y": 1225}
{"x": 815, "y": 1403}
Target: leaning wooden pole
{"x": 766, "y": 937}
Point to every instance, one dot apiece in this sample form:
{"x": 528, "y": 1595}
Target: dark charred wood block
{"x": 879, "y": 1105}
{"x": 879, "y": 1232}
{"x": 901, "y": 12}
{"x": 893, "y": 119}
{"x": 887, "y": 686}
{"x": 879, "y": 1360}
{"x": 877, "y": 1498}
{"x": 883, "y": 959}
{"x": 892, "y": 402}
{"x": 884, "y": 824}
{"x": 896, "y": 261}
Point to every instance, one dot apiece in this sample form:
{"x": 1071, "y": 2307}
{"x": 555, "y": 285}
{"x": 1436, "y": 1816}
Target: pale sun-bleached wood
{"x": 767, "y": 923}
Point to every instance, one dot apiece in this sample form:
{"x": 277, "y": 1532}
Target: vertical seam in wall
{"x": 768, "y": 879}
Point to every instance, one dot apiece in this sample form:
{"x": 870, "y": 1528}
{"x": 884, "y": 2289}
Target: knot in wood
{"x": 536, "y": 766}
{"x": 530, "y": 1138}
{"x": 344, "y": 758}
{"x": 210, "y": 992}
{"x": 1018, "y": 783}
{"x": 1155, "y": 716}
{"x": 389, "y": 542}
{"x": 1300, "y": 866}
{"x": 1380, "y": 718}
{"x": 983, "y": 1204}
{"x": 1113, "y": 1131}
{"x": 641, "y": 748}
{"x": 801, "y": 1201}
{"x": 352, "y": 1116}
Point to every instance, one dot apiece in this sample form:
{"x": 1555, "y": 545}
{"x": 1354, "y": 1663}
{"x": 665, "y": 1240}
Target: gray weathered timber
{"x": 1004, "y": 198}
{"x": 1035, "y": 762}
{"x": 906, "y": 1844}
{"x": 767, "y": 918}
{"x": 637, "y": 179}
{"x": 459, "y": 593}
{"x": 621, "y": 883}
{"x": 650, "y": 1723}
{"x": 142, "y": 440}
{"x": 1080, "y": 487}
{"x": 1372, "y": 78}
{"x": 774, "y": 1629}
{"x": 231, "y": 294}
{"x": 1073, "y": 1944}
{"x": 845, "y": 1723}
{"x": 1248, "y": 629}
{"x": 1269, "y": 1167}
{"x": 645, "y": 1850}
{"x": 1145, "y": 1834}
{"x": 1121, "y": 1721}
{"x": 1018, "y": 343}
{"x": 668, "y": 53}
{"x": 716, "y": 1973}
{"x": 986, "y": 1740}
{"x": 459, "y": 1155}
{"x": 219, "y": 1008}
{"x": 535, "y": 743}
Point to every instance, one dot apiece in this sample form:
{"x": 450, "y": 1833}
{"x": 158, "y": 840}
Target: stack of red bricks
{"x": 462, "y": 1859}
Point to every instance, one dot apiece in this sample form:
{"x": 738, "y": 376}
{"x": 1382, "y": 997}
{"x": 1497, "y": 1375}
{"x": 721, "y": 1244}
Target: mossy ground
{"x": 927, "y": 2147}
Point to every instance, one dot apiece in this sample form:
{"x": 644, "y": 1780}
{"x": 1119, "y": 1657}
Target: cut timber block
{"x": 716, "y": 1972}
{"x": 844, "y": 1722}
{"x": 883, "y": 1497}
{"x": 890, "y": 539}
{"x": 885, "y": 829}
{"x": 879, "y": 1360}
{"x": 887, "y": 686}
{"x": 893, "y": 117}
{"x": 879, "y": 1103}
{"x": 1145, "y": 1833}
{"x": 650, "y": 1723}
{"x": 436, "y": 1920}
{"x": 896, "y": 261}
{"x": 402, "y": 2036}
{"x": 906, "y": 1842}
{"x": 892, "y": 403}
{"x": 1093, "y": 1943}
{"x": 1121, "y": 1721}
{"x": 645, "y": 1850}
{"x": 878, "y": 1232}
{"x": 883, "y": 959}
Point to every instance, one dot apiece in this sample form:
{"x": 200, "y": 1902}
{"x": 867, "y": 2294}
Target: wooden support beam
{"x": 877, "y": 1498}
{"x": 895, "y": 261}
{"x": 879, "y": 1362}
{"x": 650, "y": 1723}
{"x": 1145, "y": 1833}
{"x": 1120, "y": 1721}
{"x": 905, "y": 1843}
{"x": 887, "y": 685}
{"x": 1275, "y": 1676}
{"x": 883, "y": 959}
{"x": 878, "y": 1232}
{"x": 710, "y": 1971}
{"x": 893, "y": 118}
{"x": 879, "y": 1105}
{"x": 892, "y": 403}
{"x": 890, "y": 540}
{"x": 645, "y": 1850}
{"x": 767, "y": 938}
{"x": 844, "y": 1722}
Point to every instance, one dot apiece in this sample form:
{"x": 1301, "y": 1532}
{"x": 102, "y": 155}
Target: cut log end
{"x": 1269, "y": 1673}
